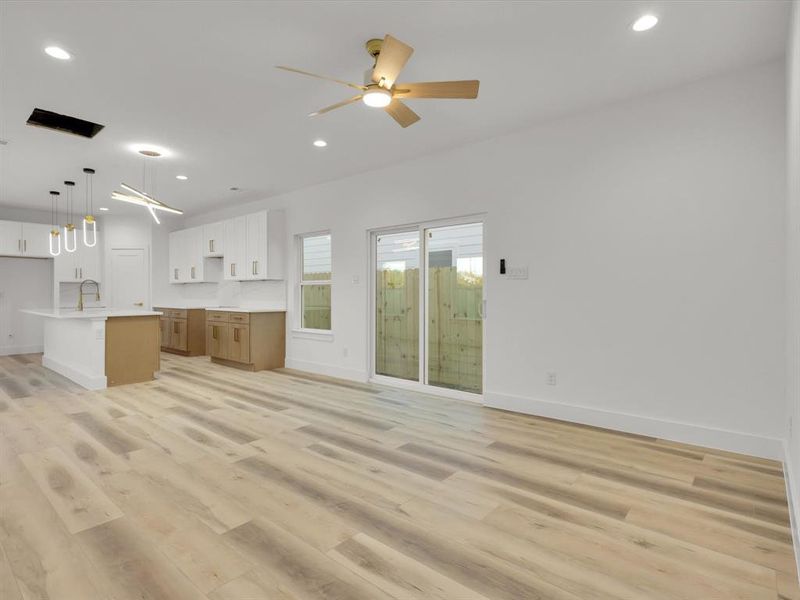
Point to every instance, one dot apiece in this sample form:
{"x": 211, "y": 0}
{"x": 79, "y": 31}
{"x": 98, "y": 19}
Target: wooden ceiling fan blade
{"x": 347, "y": 83}
{"x": 322, "y": 111}
{"x": 393, "y": 57}
{"x": 466, "y": 89}
{"x": 401, "y": 113}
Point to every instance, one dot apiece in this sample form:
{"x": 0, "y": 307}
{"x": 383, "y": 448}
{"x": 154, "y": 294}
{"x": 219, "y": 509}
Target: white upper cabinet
{"x": 213, "y": 239}
{"x": 76, "y": 266}
{"x": 254, "y": 246}
{"x": 187, "y": 261}
{"x": 256, "y": 253}
{"x": 36, "y": 240}
{"x": 235, "y": 244}
{"x": 24, "y": 239}
{"x": 251, "y": 247}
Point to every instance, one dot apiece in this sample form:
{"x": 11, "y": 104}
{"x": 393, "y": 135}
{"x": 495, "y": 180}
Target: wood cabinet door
{"x": 217, "y": 341}
{"x": 166, "y": 332}
{"x": 180, "y": 340}
{"x": 239, "y": 343}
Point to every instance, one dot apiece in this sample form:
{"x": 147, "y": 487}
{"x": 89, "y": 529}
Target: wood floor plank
{"x": 76, "y": 499}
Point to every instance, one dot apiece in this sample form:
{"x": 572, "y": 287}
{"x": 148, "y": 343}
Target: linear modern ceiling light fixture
{"x": 142, "y": 199}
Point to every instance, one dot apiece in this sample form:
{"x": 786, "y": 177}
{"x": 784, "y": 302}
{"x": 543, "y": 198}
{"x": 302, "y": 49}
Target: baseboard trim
{"x": 90, "y": 382}
{"x": 794, "y": 502}
{"x": 9, "y": 350}
{"x": 721, "y": 439}
{"x": 326, "y": 369}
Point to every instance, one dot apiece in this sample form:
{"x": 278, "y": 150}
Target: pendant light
{"x": 55, "y": 238}
{"x": 141, "y": 198}
{"x": 70, "y": 233}
{"x": 88, "y": 220}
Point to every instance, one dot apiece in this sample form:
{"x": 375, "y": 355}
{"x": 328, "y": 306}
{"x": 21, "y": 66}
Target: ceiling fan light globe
{"x": 377, "y": 97}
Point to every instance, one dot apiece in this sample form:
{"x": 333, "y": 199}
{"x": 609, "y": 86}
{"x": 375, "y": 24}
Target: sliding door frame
{"x": 421, "y": 384}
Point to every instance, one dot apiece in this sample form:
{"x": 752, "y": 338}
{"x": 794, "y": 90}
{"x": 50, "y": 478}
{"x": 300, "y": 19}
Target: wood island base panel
{"x": 132, "y": 345}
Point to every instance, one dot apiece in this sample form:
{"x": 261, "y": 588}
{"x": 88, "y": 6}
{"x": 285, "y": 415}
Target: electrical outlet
{"x": 551, "y": 378}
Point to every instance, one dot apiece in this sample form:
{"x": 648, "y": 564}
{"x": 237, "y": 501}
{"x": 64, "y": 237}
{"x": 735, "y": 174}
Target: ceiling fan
{"x": 381, "y": 89}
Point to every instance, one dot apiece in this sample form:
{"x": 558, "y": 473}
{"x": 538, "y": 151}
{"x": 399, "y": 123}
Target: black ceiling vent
{"x": 51, "y": 120}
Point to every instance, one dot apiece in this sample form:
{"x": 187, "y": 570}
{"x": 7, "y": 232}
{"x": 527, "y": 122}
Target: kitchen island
{"x": 98, "y": 348}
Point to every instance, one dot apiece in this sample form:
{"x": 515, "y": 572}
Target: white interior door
{"x": 128, "y": 278}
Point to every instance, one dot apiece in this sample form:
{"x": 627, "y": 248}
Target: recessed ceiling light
{"x": 181, "y": 177}
{"x": 150, "y": 150}
{"x": 320, "y": 143}
{"x": 644, "y": 23}
{"x": 103, "y": 208}
{"x": 58, "y": 53}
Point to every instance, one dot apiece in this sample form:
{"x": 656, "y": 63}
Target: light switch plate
{"x": 517, "y": 272}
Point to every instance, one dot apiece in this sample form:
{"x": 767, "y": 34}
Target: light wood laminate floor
{"x": 228, "y": 485}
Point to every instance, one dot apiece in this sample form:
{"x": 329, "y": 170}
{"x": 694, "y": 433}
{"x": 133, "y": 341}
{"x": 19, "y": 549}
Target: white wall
{"x": 654, "y": 234}
{"x": 24, "y": 283}
{"x": 793, "y": 267}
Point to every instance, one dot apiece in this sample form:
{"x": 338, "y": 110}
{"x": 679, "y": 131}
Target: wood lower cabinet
{"x": 253, "y": 341}
{"x": 183, "y": 331}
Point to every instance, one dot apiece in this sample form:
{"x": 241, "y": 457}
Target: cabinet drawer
{"x": 237, "y": 317}
{"x": 218, "y": 316}
{"x": 177, "y": 314}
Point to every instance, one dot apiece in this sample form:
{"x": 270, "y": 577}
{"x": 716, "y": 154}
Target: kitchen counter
{"x": 246, "y": 309}
{"x": 89, "y": 313}
{"x": 100, "y": 347}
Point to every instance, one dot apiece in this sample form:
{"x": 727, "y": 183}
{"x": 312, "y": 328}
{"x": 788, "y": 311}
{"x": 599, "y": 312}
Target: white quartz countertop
{"x": 89, "y": 313}
{"x": 246, "y": 309}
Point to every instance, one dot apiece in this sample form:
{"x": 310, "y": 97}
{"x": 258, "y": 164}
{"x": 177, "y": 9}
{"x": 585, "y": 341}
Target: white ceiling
{"x": 198, "y": 78}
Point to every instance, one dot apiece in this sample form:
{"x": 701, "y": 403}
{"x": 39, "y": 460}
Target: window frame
{"x": 300, "y": 328}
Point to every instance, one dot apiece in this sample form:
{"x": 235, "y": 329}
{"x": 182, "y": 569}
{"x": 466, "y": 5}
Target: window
{"x": 315, "y": 281}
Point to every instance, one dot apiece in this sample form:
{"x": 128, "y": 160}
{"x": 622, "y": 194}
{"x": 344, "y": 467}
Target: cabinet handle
{"x": 233, "y": 269}
{"x": 210, "y": 245}
{"x": 19, "y": 245}
{"x": 176, "y": 327}
{"x": 76, "y": 272}
{"x": 214, "y": 331}
{"x": 192, "y": 272}
{"x": 24, "y": 245}
{"x": 176, "y": 273}
{"x": 81, "y": 272}
{"x": 235, "y": 335}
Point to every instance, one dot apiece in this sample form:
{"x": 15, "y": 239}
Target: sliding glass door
{"x": 397, "y": 303}
{"x": 429, "y": 305}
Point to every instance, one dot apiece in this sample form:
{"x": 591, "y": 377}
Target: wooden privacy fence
{"x": 455, "y": 327}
